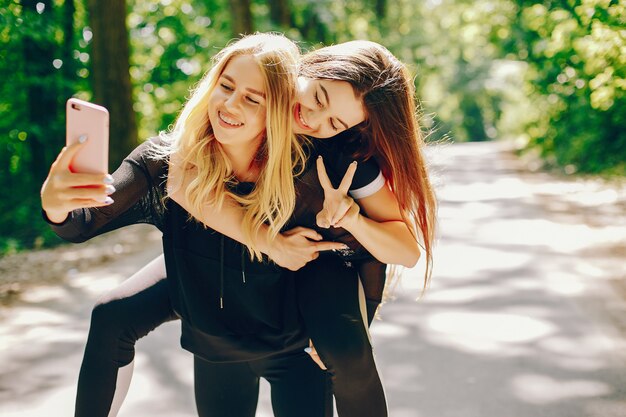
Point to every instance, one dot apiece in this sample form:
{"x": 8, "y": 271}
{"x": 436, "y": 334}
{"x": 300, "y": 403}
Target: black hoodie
{"x": 232, "y": 308}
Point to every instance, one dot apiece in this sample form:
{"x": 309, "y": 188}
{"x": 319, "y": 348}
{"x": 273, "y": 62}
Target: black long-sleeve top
{"x": 231, "y": 308}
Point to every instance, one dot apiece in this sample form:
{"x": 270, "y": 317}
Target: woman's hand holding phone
{"x": 64, "y": 190}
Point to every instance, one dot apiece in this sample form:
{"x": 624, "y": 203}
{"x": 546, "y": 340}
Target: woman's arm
{"x": 292, "y": 249}
{"x": 74, "y": 204}
{"x": 383, "y": 232}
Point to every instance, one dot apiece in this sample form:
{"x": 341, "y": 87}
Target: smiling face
{"x": 236, "y": 106}
{"x": 325, "y": 107}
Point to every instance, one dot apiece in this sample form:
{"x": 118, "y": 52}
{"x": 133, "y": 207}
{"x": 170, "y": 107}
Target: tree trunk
{"x": 41, "y": 92}
{"x": 279, "y": 13}
{"x": 241, "y": 17}
{"x": 110, "y": 76}
{"x": 67, "y": 50}
{"x": 381, "y": 9}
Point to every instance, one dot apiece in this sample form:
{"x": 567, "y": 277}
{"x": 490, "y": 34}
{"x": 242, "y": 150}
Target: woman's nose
{"x": 232, "y": 101}
{"x": 314, "y": 117}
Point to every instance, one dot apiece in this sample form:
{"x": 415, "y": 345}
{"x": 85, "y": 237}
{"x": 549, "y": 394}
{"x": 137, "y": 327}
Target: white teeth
{"x": 228, "y": 120}
{"x": 301, "y": 119}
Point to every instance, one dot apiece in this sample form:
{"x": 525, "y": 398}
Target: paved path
{"x": 525, "y": 316}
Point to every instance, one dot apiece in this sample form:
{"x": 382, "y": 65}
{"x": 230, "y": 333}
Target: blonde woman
{"x": 239, "y": 317}
{"x": 363, "y": 96}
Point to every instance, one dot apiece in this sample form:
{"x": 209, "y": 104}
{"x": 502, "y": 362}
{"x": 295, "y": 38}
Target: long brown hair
{"x": 391, "y": 132}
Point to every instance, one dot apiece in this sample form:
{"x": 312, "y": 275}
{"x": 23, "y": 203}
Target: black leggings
{"x": 119, "y": 319}
{"x": 328, "y": 297}
{"x": 329, "y": 303}
{"x": 299, "y": 387}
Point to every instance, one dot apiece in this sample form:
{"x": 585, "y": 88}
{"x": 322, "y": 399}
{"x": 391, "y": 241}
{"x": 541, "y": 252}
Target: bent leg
{"x": 329, "y": 303}
{"x": 119, "y": 319}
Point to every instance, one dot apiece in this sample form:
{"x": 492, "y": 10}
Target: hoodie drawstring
{"x": 243, "y": 269}
{"x": 222, "y": 272}
{"x": 243, "y": 264}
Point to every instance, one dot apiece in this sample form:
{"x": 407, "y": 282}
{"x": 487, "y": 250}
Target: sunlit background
{"x": 525, "y": 315}
{"x": 550, "y": 75}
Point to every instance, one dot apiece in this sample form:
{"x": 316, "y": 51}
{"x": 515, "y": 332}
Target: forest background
{"x": 548, "y": 75}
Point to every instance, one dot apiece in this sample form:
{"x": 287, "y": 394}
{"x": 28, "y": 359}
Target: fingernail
{"x": 108, "y": 179}
{"x": 108, "y": 200}
{"x": 345, "y": 247}
{"x": 319, "y": 157}
{"x": 308, "y": 350}
{"x": 354, "y": 162}
{"x": 109, "y": 189}
{"x": 82, "y": 139}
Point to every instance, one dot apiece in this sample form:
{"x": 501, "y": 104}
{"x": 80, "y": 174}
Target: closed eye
{"x": 317, "y": 100}
{"x": 251, "y": 100}
{"x": 226, "y": 87}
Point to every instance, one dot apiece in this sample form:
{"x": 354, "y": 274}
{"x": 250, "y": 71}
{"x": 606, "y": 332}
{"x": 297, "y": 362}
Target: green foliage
{"x": 457, "y": 47}
{"x": 29, "y": 141}
{"x": 577, "y": 82}
{"x": 550, "y": 72}
{"x": 172, "y": 43}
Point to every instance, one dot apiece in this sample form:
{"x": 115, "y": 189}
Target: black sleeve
{"x": 139, "y": 184}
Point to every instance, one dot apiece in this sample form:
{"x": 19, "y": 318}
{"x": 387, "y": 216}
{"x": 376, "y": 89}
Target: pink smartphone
{"x": 84, "y": 118}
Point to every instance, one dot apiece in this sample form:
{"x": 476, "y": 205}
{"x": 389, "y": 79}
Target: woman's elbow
{"x": 73, "y": 238}
{"x": 412, "y": 257}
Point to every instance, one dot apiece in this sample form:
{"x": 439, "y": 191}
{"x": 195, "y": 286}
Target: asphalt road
{"x": 526, "y": 314}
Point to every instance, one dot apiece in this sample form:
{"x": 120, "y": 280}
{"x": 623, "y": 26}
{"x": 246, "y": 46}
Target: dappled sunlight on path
{"x": 522, "y": 319}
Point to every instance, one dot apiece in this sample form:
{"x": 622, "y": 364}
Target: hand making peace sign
{"x": 339, "y": 209}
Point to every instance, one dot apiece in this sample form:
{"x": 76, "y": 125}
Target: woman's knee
{"x": 111, "y": 332}
{"x": 107, "y": 314}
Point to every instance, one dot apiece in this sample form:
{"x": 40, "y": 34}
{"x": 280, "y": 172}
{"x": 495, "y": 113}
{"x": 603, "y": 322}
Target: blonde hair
{"x": 272, "y": 200}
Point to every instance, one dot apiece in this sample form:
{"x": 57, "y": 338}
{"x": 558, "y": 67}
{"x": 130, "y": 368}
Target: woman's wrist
{"x": 263, "y": 242}
{"x": 352, "y": 219}
{"x": 56, "y": 217}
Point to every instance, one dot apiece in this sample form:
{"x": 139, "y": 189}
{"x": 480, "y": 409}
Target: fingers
{"x": 303, "y": 231}
{"x": 97, "y": 194}
{"x": 67, "y": 154}
{"x": 89, "y": 203}
{"x": 324, "y": 246}
{"x": 322, "y": 175}
{"x": 322, "y": 219}
{"x": 67, "y": 206}
{"x": 346, "y": 182}
{"x": 344, "y": 207}
{"x": 310, "y": 234}
{"x": 293, "y": 231}
{"x": 69, "y": 179}
{"x": 313, "y": 354}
